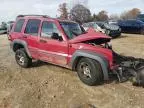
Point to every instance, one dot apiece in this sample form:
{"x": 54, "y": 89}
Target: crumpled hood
{"x": 90, "y": 35}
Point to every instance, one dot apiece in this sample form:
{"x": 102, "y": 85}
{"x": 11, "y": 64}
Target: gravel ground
{"x": 48, "y": 86}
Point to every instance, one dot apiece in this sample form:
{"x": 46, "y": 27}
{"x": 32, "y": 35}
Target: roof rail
{"x": 45, "y": 16}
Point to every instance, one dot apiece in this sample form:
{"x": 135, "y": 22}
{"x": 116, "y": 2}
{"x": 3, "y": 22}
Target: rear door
{"x": 137, "y": 27}
{"x": 17, "y": 29}
{"x": 31, "y": 33}
{"x": 128, "y": 26}
{"x": 133, "y": 26}
{"x": 52, "y": 50}
{"x": 123, "y": 25}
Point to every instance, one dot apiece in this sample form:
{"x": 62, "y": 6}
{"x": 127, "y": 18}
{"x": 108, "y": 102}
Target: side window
{"x": 48, "y": 28}
{"x": 19, "y": 25}
{"x": 32, "y": 27}
{"x": 137, "y": 23}
{"x": 128, "y": 23}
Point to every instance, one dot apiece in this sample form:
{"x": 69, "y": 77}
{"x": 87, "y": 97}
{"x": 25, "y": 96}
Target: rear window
{"x": 19, "y": 25}
{"x": 85, "y": 25}
{"x": 32, "y": 27}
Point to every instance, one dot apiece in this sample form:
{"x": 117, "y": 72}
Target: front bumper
{"x": 128, "y": 68}
{"x": 115, "y": 33}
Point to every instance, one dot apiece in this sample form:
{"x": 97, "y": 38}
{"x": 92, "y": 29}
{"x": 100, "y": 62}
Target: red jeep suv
{"x": 63, "y": 43}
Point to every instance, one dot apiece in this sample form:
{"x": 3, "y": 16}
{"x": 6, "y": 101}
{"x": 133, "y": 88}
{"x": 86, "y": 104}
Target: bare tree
{"x": 114, "y": 17}
{"x": 94, "y": 17}
{"x": 131, "y": 14}
{"x": 63, "y": 11}
{"x": 102, "y": 15}
{"x": 80, "y": 14}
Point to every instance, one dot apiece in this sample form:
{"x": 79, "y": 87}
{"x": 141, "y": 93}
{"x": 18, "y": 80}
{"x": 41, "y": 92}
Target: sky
{"x": 9, "y": 9}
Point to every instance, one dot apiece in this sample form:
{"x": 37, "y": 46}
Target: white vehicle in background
{"x": 111, "y": 28}
{"x": 97, "y": 28}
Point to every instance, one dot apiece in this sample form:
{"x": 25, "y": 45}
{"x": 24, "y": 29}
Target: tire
{"x": 89, "y": 72}
{"x": 22, "y": 58}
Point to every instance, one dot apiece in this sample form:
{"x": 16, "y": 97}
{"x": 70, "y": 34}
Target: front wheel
{"x": 22, "y": 58}
{"x": 89, "y": 72}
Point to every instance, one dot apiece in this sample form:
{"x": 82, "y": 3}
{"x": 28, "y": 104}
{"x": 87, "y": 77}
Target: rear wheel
{"x": 90, "y": 72}
{"x": 22, "y": 58}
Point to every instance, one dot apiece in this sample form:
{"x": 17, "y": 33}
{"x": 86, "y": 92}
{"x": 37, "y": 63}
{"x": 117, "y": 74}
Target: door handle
{"x": 43, "y": 41}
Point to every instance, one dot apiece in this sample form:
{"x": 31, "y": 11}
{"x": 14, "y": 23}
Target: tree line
{"x": 82, "y": 14}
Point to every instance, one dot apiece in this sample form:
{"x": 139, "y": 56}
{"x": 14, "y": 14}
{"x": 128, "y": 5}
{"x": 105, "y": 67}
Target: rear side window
{"x": 19, "y": 25}
{"x": 32, "y": 27}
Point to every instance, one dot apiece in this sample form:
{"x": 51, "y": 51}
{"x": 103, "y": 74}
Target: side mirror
{"x": 56, "y": 36}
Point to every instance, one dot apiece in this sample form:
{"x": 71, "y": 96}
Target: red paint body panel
{"x": 54, "y": 51}
{"x": 97, "y": 49}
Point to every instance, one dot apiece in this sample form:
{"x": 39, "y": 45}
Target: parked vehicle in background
{"x": 3, "y": 28}
{"x": 140, "y": 17}
{"x": 9, "y": 26}
{"x": 93, "y": 25}
{"x": 110, "y": 29}
{"x": 132, "y": 26}
{"x": 112, "y": 22}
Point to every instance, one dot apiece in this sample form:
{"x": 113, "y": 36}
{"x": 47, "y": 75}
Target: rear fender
{"x": 21, "y": 42}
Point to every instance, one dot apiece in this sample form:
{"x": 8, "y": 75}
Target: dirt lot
{"x": 48, "y": 86}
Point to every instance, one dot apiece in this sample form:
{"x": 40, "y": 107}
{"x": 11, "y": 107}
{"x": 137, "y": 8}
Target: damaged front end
{"x": 129, "y": 68}
{"x": 124, "y": 67}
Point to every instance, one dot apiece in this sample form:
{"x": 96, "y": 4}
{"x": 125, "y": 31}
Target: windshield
{"x": 71, "y": 29}
{"x": 95, "y": 26}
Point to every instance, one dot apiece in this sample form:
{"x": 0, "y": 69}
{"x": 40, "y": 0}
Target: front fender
{"x": 98, "y": 57}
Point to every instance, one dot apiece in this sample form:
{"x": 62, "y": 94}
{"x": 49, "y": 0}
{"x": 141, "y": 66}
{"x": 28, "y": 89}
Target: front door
{"x": 52, "y": 50}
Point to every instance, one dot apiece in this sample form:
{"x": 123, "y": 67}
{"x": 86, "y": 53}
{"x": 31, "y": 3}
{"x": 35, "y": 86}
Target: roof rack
{"x": 45, "y": 16}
